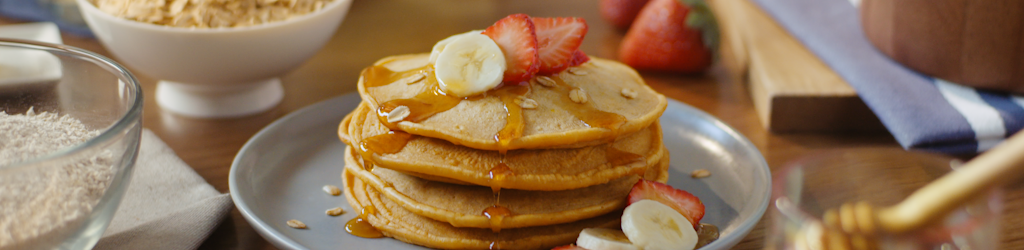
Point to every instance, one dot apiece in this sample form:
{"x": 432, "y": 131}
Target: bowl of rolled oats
{"x": 67, "y": 146}
{"x": 214, "y": 58}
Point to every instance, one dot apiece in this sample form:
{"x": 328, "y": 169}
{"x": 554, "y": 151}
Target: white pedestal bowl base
{"x": 214, "y": 101}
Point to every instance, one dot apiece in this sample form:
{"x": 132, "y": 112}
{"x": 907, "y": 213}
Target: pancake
{"x": 396, "y": 222}
{"x": 464, "y": 206}
{"x": 525, "y": 169}
{"x": 494, "y": 120}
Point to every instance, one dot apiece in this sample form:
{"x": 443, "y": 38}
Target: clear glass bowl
{"x": 36, "y": 211}
{"x": 804, "y": 189}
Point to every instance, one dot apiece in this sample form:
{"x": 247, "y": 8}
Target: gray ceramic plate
{"x": 278, "y": 175}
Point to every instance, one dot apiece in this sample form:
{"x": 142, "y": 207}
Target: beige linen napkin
{"x": 167, "y": 205}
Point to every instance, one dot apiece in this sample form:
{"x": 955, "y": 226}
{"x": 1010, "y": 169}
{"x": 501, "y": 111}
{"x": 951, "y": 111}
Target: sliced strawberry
{"x": 568, "y": 247}
{"x": 557, "y": 39}
{"x": 516, "y": 35}
{"x": 684, "y": 202}
{"x": 578, "y": 58}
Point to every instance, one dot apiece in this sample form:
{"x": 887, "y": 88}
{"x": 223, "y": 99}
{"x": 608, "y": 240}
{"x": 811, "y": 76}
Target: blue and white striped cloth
{"x": 63, "y": 13}
{"x": 920, "y": 111}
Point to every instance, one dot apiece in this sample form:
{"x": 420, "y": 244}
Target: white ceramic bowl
{"x": 217, "y": 72}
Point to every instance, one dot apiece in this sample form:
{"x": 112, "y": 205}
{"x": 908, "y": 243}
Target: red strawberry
{"x": 687, "y": 204}
{"x": 568, "y": 247}
{"x": 517, "y": 37}
{"x": 557, "y": 39}
{"x": 670, "y": 36}
{"x": 621, "y": 12}
{"x": 578, "y": 58}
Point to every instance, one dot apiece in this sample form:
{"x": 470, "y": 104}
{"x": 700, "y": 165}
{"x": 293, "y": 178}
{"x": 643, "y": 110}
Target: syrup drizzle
{"x": 387, "y": 143}
{"x": 496, "y": 214}
{"x": 512, "y": 130}
{"x": 497, "y": 175}
{"x": 358, "y": 226}
{"x": 367, "y": 165}
{"x": 618, "y": 157}
{"x": 431, "y": 101}
{"x": 376, "y": 76}
{"x": 514, "y": 124}
{"x": 586, "y": 112}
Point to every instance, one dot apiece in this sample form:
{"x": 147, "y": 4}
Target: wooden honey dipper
{"x": 853, "y": 225}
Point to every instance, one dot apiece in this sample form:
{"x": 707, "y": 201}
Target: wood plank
{"x": 792, "y": 89}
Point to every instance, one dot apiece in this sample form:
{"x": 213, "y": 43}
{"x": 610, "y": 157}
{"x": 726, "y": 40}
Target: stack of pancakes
{"x": 525, "y": 165}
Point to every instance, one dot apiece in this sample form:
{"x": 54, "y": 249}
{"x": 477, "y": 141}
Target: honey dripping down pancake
{"x": 497, "y": 120}
{"x": 394, "y": 221}
{"x": 525, "y": 169}
{"x": 474, "y": 206}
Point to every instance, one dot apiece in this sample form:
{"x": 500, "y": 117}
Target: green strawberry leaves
{"x": 701, "y": 17}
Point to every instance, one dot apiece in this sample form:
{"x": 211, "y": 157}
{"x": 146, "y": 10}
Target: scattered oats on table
{"x": 209, "y": 13}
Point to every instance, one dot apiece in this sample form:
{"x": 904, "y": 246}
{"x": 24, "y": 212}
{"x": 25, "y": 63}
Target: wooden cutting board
{"x": 792, "y": 90}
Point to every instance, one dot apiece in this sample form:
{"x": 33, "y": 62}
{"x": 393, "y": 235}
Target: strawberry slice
{"x": 557, "y": 39}
{"x": 516, "y": 35}
{"x": 568, "y": 247}
{"x": 578, "y": 58}
{"x": 683, "y": 202}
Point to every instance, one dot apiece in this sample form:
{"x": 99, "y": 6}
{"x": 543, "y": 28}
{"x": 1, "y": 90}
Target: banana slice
{"x": 652, "y": 225}
{"x": 469, "y": 65}
{"x": 604, "y": 239}
{"x": 439, "y": 46}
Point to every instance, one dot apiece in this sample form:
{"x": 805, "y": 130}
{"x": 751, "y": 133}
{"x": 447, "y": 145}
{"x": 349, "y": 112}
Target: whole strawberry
{"x": 671, "y": 35}
{"x": 621, "y": 12}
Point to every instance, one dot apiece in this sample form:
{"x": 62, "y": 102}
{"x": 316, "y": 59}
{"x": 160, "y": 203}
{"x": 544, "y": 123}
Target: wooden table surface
{"x": 379, "y": 28}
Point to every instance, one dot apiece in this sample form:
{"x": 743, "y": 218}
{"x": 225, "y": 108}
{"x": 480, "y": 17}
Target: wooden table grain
{"x": 377, "y": 28}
